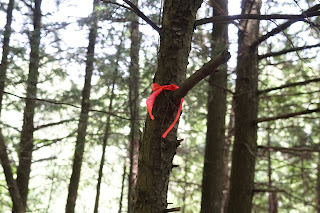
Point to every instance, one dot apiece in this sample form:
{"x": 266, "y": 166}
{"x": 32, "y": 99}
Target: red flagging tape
{"x": 156, "y": 88}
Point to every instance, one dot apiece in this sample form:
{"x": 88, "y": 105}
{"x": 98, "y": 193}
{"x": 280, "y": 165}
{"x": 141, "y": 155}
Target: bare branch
{"x": 284, "y": 26}
{"x": 141, "y": 15}
{"x": 283, "y": 149}
{"x": 203, "y": 72}
{"x": 42, "y": 144}
{"x": 292, "y": 18}
{"x": 289, "y": 115}
{"x": 45, "y": 159}
{"x": 28, "y": 5}
{"x": 221, "y": 87}
{"x": 173, "y": 209}
{"x": 116, "y": 3}
{"x": 289, "y": 85}
{"x": 282, "y": 52}
{"x": 66, "y": 104}
{"x": 53, "y": 124}
{"x": 267, "y": 190}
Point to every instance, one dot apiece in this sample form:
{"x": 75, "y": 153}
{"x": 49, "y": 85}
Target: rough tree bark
{"x": 134, "y": 105}
{"x": 5, "y": 51}
{"x": 156, "y": 153}
{"x": 246, "y": 109}
{"x": 213, "y": 170}
{"x": 84, "y": 115}
{"x": 26, "y": 141}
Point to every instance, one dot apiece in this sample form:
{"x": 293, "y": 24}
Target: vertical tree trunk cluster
{"x": 134, "y": 105}
{"x": 246, "y": 109}
{"x": 26, "y": 141}
{"x": 156, "y": 153}
{"x": 19, "y": 187}
{"x": 84, "y": 115}
{"x": 213, "y": 170}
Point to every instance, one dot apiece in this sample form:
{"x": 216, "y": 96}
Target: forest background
{"x": 287, "y": 170}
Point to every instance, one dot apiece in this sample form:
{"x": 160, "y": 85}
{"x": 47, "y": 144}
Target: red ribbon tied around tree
{"x": 157, "y": 89}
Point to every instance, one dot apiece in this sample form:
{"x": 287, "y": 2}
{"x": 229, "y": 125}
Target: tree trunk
{"x": 213, "y": 170}
{"x": 226, "y": 184}
{"x": 11, "y": 182}
{"x": 26, "y": 141}
{"x": 273, "y": 201}
{"x": 107, "y": 129}
{"x": 185, "y": 180}
{"x": 246, "y": 109}
{"x": 83, "y": 122}
{"x": 104, "y": 145}
{"x": 318, "y": 185}
{"x": 134, "y": 103}
{"x": 156, "y": 153}
{"x": 122, "y": 185}
{"x": 5, "y": 51}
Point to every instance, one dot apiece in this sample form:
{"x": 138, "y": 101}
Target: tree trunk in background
{"x": 104, "y": 145}
{"x": 26, "y": 142}
{"x": 5, "y": 51}
{"x": 213, "y": 170}
{"x": 226, "y": 158}
{"x": 11, "y": 182}
{"x": 156, "y": 154}
{"x": 318, "y": 185}
{"x": 134, "y": 104}
{"x": 185, "y": 180}
{"x": 83, "y": 122}
{"x": 122, "y": 184}
{"x": 107, "y": 128}
{"x": 246, "y": 109}
{"x": 273, "y": 201}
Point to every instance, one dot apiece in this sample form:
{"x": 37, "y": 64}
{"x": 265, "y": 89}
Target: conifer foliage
{"x": 76, "y": 134}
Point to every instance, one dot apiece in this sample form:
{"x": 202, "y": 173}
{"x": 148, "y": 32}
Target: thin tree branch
{"x": 283, "y": 26}
{"x": 45, "y": 159}
{"x": 53, "y": 124}
{"x": 141, "y": 15}
{"x": 294, "y": 18}
{"x": 289, "y": 115}
{"x": 267, "y": 190}
{"x": 28, "y": 5}
{"x": 172, "y": 210}
{"x": 289, "y": 85}
{"x": 283, "y": 149}
{"x": 66, "y": 104}
{"x": 203, "y": 72}
{"x": 42, "y": 144}
{"x": 282, "y": 52}
{"x": 221, "y": 87}
{"x": 11, "y": 127}
{"x": 116, "y": 3}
